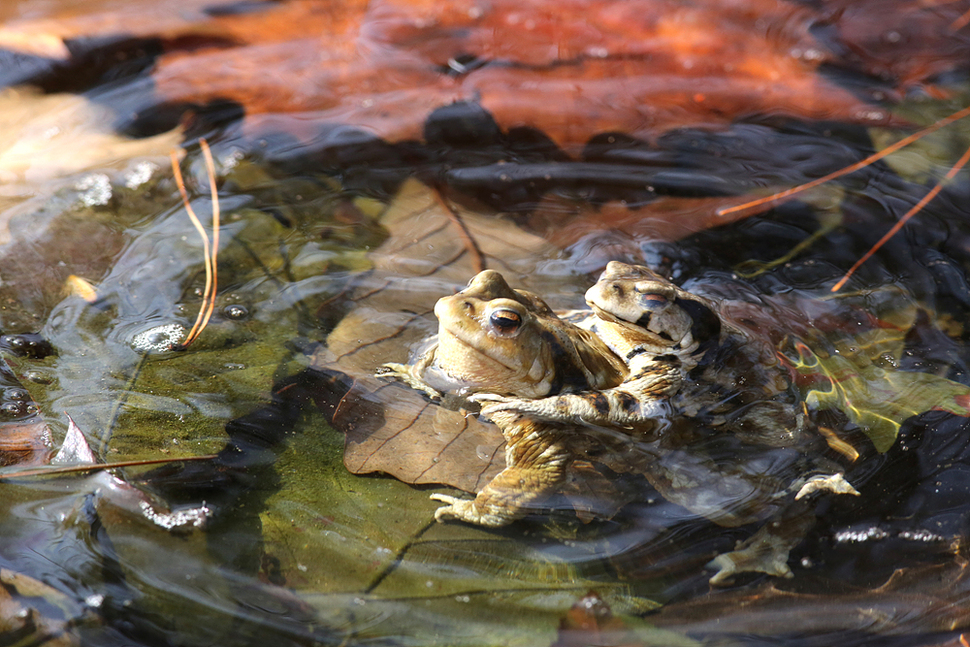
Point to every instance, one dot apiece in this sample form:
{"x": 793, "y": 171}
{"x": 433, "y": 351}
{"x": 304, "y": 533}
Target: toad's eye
{"x": 505, "y": 321}
{"x": 653, "y": 301}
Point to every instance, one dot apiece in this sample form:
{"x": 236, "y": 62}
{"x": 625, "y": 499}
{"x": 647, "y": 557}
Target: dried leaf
{"x": 24, "y": 437}
{"x": 634, "y": 68}
{"x": 908, "y": 43}
{"x": 42, "y": 126}
{"x": 24, "y": 442}
{"x": 48, "y": 33}
{"x": 425, "y": 257}
{"x": 75, "y": 448}
{"x": 639, "y": 68}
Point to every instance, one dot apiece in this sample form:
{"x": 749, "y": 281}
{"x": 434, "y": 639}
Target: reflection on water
{"x": 325, "y": 276}
{"x": 362, "y": 552}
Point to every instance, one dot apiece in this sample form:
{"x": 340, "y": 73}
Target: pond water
{"x": 302, "y": 515}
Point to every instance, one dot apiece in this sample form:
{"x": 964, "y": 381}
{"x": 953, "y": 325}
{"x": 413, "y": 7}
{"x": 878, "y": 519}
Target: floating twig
{"x": 892, "y": 148}
{"x": 93, "y": 467}
{"x": 902, "y": 221}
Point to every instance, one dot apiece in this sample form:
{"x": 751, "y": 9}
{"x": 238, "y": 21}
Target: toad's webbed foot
{"x": 828, "y": 483}
{"x": 536, "y": 461}
{"x": 405, "y": 373}
{"x": 767, "y": 550}
{"x": 763, "y": 556}
{"x": 469, "y": 511}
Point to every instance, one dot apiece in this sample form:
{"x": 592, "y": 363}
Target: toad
{"x": 504, "y": 341}
{"x": 639, "y": 356}
{"x": 656, "y": 327}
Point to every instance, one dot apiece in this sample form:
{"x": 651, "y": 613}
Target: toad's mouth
{"x": 456, "y": 338}
{"x": 491, "y": 369}
{"x": 639, "y": 329}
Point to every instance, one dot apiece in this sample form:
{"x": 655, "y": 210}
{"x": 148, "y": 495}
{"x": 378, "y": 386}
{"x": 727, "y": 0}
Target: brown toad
{"x": 501, "y": 346}
{"x": 656, "y": 327}
{"x": 507, "y": 341}
{"x": 685, "y": 362}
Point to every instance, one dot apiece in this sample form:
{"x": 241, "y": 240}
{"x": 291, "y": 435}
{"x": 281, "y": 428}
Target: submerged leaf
{"x": 430, "y": 252}
{"x": 877, "y": 399}
{"x": 25, "y": 438}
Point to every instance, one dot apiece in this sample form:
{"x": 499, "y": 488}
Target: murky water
{"x": 293, "y": 528}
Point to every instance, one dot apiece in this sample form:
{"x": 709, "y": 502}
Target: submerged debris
{"x": 95, "y": 190}
{"x": 159, "y": 339}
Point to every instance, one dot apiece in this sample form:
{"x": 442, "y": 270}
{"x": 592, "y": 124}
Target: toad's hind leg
{"x": 536, "y": 460}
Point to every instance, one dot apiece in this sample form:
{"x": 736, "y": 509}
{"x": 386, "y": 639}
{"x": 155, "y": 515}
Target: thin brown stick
{"x": 902, "y": 221}
{"x": 961, "y": 21}
{"x": 73, "y": 469}
{"x": 892, "y": 148}
{"x": 193, "y": 333}
{"x": 470, "y": 244}
{"x": 211, "y": 171}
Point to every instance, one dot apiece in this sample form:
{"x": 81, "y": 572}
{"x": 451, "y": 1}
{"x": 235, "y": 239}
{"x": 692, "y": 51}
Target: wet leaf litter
{"x": 397, "y": 555}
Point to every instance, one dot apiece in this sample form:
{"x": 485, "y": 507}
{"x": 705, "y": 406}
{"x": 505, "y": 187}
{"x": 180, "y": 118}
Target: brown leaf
{"x": 47, "y": 33}
{"x": 24, "y": 442}
{"x": 42, "y": 126}
{"x": 641, "y": 67}
{"x": 911, "y": 44}
{"x": 390, "y": 427}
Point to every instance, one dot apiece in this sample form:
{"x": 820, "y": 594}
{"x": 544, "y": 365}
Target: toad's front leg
{"x": 536, "y": 460}
{"x": 412, "y": 374}
{"x": 636, "y": 402}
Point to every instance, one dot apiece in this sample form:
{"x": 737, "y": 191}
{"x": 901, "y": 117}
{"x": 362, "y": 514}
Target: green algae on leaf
{"x": 877, "y": 399}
